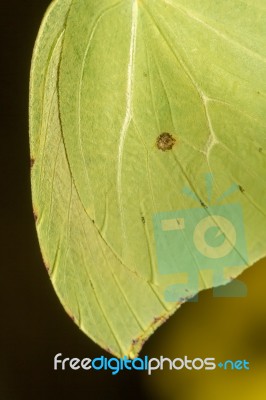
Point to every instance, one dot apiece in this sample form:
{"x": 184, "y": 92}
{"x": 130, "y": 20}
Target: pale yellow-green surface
{"x": 107, "y": 79}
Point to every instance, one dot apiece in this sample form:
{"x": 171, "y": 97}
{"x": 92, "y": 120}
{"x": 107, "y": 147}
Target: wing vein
{"x": 128, "y": 114}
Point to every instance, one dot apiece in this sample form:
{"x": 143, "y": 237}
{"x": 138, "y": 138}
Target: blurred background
{"x": 34, "y": 327}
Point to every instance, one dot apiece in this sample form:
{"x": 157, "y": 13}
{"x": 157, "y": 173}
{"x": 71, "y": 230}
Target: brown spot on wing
{"x": 165, "y": 141}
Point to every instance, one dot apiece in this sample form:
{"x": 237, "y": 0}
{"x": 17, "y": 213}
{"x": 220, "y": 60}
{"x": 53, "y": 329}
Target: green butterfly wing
{"x": 130, "y": 103}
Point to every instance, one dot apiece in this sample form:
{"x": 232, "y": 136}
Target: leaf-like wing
{"x": 131, "y": 101}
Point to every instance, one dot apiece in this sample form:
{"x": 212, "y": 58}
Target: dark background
{"x": 34, "y": 326}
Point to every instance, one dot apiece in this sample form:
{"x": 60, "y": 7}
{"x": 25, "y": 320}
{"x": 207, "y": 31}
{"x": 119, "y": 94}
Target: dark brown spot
{"x": 47, "y": 267}
{"x": 71, "y": 316}
{"x": 203, "y": 204}
{"x": 143, "y": 220}
{"x": 93, "y": 221}
{"x": 260, "y": 149}
{"x": 135, "y": 341}
{"x": 165, "y": 141}
{"x": 32, "y": 161}
{"x": 242, "y": 190}
{"x": 35, "y": 215}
